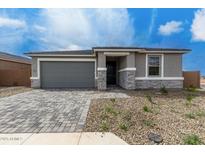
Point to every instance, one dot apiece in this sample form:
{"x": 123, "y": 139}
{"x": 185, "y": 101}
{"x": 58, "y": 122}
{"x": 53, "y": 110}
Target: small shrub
{"x": 163, "y": 90}
{"x": 188, "y": 103}
{"x": 104, "y": 116}
{"x": 147, "y": 109}
{"x": 192, "y": 140}
{"x": 156, "y": 111}
{"x": 149, "y": 98}
{"x": 189, "y": 99}
{"x": 123, "y": 127}
{"x": 112, "y": 100}
{"x": 110, "y": 109}
{"x": 191, "y": 88}
{"x": 200, "y": 113}
{"x": 149, "y": 123}
{"x": 190, "y": 115}
{"x": 104, "y": 126}
{"x": 126, "y": 116}
{"x": 196, "y": 114}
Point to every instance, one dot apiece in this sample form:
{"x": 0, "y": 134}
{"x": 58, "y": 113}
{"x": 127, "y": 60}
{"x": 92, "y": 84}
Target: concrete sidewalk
{"x": 88, "y": 138}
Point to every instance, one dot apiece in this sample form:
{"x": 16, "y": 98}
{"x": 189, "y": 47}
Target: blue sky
{"x": 23, "y": 30}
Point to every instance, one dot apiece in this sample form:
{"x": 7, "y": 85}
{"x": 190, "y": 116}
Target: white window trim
{"x": 127, "y": 69}
{"x": 102, "y": 69}
{"x": 162, "y": 66}
{"x": 62, "y": 59}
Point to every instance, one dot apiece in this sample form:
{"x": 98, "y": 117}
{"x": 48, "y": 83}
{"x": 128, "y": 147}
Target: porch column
{"x": 127, "y": 75}
{"x": 101, "y": 72}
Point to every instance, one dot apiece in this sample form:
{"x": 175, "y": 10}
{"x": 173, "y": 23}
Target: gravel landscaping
{"x": 9, "y": 91}
{"x": 151, "y": 117}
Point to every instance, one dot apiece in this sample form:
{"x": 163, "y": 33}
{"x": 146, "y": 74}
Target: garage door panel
{"x": 67, "y": 74}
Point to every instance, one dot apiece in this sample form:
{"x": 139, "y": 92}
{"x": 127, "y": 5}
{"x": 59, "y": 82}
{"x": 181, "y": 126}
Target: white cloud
{"x": 198, "y": 26}
{"x": 12, "y": 23}
{"x": 152, "y": 22}
{"x": 11, "y": 33}
{"x": 85, "y": 28}
{"x": 60, "y": 29}
{"x": 39, "y": 28}
{"x": 170, "y": 27}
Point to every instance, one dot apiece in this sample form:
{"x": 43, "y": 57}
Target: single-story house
{"x": 14, "y": 70}
{"x": 128, "y": 67}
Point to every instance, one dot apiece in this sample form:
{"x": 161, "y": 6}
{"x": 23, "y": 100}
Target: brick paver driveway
{"x": 40, "y": 111}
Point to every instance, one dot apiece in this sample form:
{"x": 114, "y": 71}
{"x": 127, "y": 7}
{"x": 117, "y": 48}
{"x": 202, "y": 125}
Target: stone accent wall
{"x": 127, "y": 79}
{"x": 102, "y": 80}
{"x": 156, "y": 84}
{"x": 35, "y": 83}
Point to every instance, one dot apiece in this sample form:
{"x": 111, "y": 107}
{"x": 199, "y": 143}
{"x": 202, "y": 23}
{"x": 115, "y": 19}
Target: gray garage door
{"x": 67, "y": 74}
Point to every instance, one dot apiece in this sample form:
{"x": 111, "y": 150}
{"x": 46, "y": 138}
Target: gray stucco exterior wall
{"x": 130, "y": 60}
{"x": 140, "y": 63}
{"x": 127, "y": 61}
{"x": 122, "y": 62}
{"x": 172, "y": 68}
{"x": 34, "y": 67}
{"x": 172, "y": 65}
{"x": 126, "y": 78}
{"x": 35, "y": 82}
{"x": 101, "y": 74}
{"x": 101, "y": 60}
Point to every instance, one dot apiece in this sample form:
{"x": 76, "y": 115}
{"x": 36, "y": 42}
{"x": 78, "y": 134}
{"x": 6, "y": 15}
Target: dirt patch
{"x": 173, "y": 116}
{"x": 8, "y": 91}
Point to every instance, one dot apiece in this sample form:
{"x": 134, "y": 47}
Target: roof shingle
{"x": 71, "y": 52}
{"x": 90, "y": 52}
{"x": 145, "y": 48}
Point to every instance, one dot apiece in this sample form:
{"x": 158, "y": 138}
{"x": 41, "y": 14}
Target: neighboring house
{"x": 128, "y": 67}
{"x": 14, "y": 70}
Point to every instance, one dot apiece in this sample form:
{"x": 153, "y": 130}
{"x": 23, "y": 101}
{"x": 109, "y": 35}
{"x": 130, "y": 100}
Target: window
{"x": 154, "y": 62}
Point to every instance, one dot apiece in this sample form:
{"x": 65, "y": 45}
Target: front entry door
{"x": 111, "y": 72}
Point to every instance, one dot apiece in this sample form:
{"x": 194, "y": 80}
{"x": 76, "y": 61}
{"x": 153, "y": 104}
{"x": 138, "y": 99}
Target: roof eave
{"x": 142, "y": 50}
{"x": 58, "y": 55}
{"x": 112, "y": 49}
{"x": 16, "y": 60}
{"x": 165, "y": 51}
